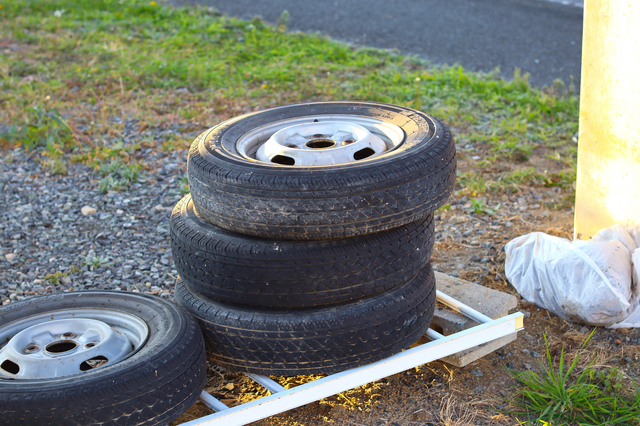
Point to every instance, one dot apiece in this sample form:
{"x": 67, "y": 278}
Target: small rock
{"x": 617, "y": 342}
{"x": 229, "y": 386}
{"x": 534, "y": 354}
{"x": 11, "y": 257}
{"x": 511, "y": 366}
{"x": 474, "y": 258}
{"x": 87, "y": 210}
{"x": 526, "y": 351}
{"x": 479, "y": 389}
{"x": 476, "y": 373}
{"x": 527, "y": 366}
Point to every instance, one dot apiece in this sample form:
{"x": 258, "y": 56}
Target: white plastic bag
{"x": 589, "y": 282}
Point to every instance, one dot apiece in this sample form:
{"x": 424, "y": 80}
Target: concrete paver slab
{"x": 492, "y": 303}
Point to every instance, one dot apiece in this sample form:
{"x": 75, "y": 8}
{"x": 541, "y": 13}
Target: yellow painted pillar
{"x": 608, "y": 178}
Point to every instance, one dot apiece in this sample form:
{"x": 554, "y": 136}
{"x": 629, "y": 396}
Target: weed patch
{"x": 569, "y": 396}
{"x": 118, "y": 175}
{"x": 94, "y": 261}
{"x": 55, "y": 277}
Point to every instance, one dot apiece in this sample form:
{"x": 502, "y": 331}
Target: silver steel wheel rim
{"x": 320, "y": 141}
{"x": 68, "y": 342}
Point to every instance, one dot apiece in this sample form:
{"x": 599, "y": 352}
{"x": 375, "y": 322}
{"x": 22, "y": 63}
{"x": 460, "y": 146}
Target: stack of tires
{"x": 304, "y": 245}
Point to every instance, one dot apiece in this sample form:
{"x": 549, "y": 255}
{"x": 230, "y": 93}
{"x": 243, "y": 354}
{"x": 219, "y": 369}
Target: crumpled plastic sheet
{"x": 594, "y": 282}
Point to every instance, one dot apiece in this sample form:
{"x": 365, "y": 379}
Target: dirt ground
{"x": 470, "y": 246}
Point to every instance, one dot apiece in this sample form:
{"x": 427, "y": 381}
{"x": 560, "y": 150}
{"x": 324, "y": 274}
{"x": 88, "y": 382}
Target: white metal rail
{"x": 440, "y": 346}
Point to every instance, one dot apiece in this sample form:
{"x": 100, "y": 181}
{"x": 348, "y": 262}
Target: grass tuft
{"x": 94, "y": 261}
{"x": 118, "y": 175}
{"x": 564, "y": 395}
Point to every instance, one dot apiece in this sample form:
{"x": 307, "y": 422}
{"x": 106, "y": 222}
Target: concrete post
{"x": 608, "y": 177}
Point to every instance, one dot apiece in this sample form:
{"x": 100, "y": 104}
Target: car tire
{"x": 153, "y": 385}
{"x": 239, "y": 269}
{"x": 410, "y": 180}
{"x": 314, "y": 341}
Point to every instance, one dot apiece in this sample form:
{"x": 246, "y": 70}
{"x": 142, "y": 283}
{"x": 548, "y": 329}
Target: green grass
{"x": 55, "y": 277}
{"x": 478, "y": 206}
{"x": 568, "y": 396}
{"x": 118, "y": 175}
{"x": 67, "y": 66}
{"x": 475, "y": 182}
{"x": 184, "y": 185}
{"x": 94, "y": 261}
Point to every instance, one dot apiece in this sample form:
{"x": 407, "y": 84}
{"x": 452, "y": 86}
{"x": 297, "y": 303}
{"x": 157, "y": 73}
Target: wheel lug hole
{"x": 89, "y": 345}
{"x": 318, "y": 135}
{"x": 348, "y": 141}
{"x": 68, "y": 334}
{"x": 31, "y": 348}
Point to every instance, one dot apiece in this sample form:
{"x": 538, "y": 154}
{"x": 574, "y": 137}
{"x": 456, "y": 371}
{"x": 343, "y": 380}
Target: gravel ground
{"x": 124, "y": 245}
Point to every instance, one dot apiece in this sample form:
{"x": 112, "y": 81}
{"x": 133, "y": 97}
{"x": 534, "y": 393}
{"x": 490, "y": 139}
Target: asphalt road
{"x": 542, "y": 38}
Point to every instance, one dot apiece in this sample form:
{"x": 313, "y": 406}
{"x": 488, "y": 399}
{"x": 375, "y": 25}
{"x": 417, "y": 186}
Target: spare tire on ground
{"x": 239, "y": 269}
{"x": 322, "y": 170}
{"x": 318, "y": 340}
{"x": 98, "y": 357}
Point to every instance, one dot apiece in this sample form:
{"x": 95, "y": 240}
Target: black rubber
{"x": 239, "y": 269}
{"x": 313, "y": 341}
{"x": 323, "y": 202}
{"x": 152, "y": 387}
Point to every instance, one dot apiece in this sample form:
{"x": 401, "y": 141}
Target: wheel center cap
{"x": 319, "y": 144}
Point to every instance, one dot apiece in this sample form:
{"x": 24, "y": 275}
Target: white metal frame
{"x": 440, "y": 346}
